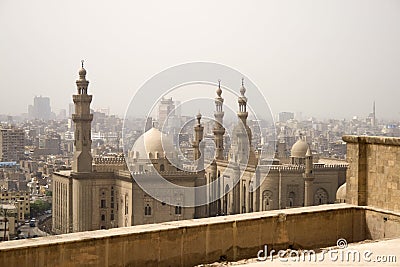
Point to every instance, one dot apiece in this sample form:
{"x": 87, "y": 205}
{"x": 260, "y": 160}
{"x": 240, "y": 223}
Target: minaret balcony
{"x": 82, "y": 98}
{"x": 82, "y": 117}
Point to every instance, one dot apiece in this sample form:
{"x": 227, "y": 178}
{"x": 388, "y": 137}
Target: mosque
{"x": 103, "y": 193}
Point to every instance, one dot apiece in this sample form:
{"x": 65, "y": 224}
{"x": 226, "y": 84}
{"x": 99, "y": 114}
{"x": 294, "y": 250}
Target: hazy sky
{"x": 324, "y": 58}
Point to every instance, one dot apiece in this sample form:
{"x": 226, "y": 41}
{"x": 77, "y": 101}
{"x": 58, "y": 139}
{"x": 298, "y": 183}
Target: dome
{"x": 299, "y": 149}
{"x": 341, "y": 193}
{"x": 152, "y": 144}
{"x": 82, "y": 72}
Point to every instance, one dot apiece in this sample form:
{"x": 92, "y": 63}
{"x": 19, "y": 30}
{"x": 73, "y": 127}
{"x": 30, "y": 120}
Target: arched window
{"x": 321, "y": 197}
{"x": 162, "y": 168}
{"x": 147, "y": 210}
{"x": 267, "y": 200}
{"x": 178, "y": 210}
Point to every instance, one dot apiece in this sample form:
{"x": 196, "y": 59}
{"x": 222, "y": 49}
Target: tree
{"x": 39, "y": 207}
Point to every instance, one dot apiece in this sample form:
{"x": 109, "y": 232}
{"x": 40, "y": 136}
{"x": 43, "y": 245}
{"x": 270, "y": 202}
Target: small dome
{"x": 299, "y": 149}
{"x": 152, "y": 144}
{"x": 341, "y": 193}
{"x": 82, "y": 72}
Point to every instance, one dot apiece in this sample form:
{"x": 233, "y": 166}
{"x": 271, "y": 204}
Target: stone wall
{"x": 191, "y": 242}
{"x": 373, "y": 176}
{"x": 381, "y": 224}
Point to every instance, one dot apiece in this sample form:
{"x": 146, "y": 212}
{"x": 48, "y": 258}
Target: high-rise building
{"x": 71, "y": 110}
{"x": 12, "y": 143}
{"x": 166, "y": 109}
{"x": 285, "y": 116}
{"x": 40, "y": 109}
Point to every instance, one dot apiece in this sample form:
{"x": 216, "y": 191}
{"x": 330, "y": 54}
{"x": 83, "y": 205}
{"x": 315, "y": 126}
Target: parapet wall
{"x": 191, "y": 242}
{"x": 199, "y": 241}
{"x": 373, "y": 176}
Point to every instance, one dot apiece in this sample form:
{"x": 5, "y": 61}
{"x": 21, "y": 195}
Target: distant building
{"x": 12, "y": 143}
{"x": 62, "y": 115}
{"x": 285, "y": 116}
{"x": 166, "y": 109}
{"x": 48, "y": 144}
{"x": 7, "y": 221}
{"x": 40, "y": 109}
{"x": 71, "y": 110}
{"x": 20, "y": 201}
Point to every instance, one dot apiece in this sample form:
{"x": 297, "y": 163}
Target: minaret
{"x": 82, "y": 159}
{"x": 242, "y": 113}
{"x": 308, "y": 179}
{"x": 219, "y": 129}
{"x": 197, "y": 145}
{"x": 373, "y": 114}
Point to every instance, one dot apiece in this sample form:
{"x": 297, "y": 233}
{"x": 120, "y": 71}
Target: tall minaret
{"x": 82, "y": 160}
{"x": 219, "y": 129}
{"x": 308, "y": 179}
{"x": 242, "y": 113}
{"x": 197, "y": 145}
{"x": 373, "y": 116}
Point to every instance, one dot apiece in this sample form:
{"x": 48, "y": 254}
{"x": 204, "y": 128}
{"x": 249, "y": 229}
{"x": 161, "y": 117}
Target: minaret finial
{"x": 198, "y": 117}
{"x": 82, "y": 61}
{"x": 219, "y": 90}
{"x": 242, "y": 89}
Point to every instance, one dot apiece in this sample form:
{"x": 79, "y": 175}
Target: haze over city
{"x": 329, "y": 59}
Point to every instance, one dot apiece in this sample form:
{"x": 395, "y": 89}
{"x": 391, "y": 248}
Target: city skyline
{"x": 328, "y": 60}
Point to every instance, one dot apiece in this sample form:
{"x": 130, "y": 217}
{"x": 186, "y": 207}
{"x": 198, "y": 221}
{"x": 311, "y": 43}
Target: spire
{"x": 198, "y": 117}
{"x": 82, "y": 83}
{"x": 242, "y": 100}
{"x": 219, "y": 90}
{"x": 198, "y": 146}
{"x": 82, "y": 159}
{"x": 242, "y": 89}
{"x": 308, "y": 176}
{"x": 219, "y": 129}
{"x": 82, "y": 71}
{"x": 373, "y": 110}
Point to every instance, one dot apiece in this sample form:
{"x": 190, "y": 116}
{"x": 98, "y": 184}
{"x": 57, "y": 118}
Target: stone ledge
{"x": 378, "y": 140}
{"x": 159, "y": 227}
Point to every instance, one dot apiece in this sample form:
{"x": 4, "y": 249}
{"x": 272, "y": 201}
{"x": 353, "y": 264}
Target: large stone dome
{"x": 299, "y": 149}
{"x": 153, "y": 144}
